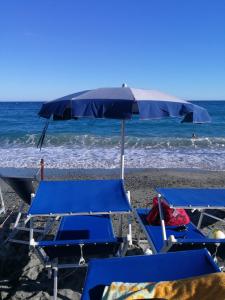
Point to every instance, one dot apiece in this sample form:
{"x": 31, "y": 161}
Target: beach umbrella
{"x": 121, "y": 103}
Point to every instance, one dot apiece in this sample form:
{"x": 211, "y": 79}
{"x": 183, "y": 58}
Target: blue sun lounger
{"x": 24, "y": 189}
{"x": 85, "y": 228}
{"x": 22, "y": 186}
{"x": 169, "y": 238}
{"x": 149, "y": 268}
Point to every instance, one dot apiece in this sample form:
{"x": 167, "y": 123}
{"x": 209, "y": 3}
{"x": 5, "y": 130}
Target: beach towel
{"x": 207, "y": 287}
{"x": 128, "y": 291}
{"x": 172, "y": 217}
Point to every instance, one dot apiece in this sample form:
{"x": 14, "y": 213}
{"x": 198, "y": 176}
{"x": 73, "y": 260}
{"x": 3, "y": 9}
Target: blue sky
{"x": 49, "y": 48}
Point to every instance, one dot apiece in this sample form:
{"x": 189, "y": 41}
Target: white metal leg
{"x": 31, "y": 235}
{"x": 82, "y": 260}
{"x": 129, "y": 237}
{"x": 200, "y": 219}
{"x": 19, "y": 215}
{"x": 122, "y": 149}
{"x": 162, "y": 220}
{"x": 55, "y": 287}
{"x": 121, "y": 226}
{"x": 2, "y": 210}
{"x": 124, "y": 249}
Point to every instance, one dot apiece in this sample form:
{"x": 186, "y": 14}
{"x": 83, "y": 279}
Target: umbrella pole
{"x": 122, "y": 149}
{"x": 129, "y": 235}
{"x": 122, "y": 168}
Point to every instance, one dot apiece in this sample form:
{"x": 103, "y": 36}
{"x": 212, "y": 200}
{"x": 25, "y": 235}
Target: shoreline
{"x": 53, "y": 172}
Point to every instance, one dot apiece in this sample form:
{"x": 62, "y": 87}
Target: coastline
{"x": 74, "y": 172}
{"x": 20, "y": 269}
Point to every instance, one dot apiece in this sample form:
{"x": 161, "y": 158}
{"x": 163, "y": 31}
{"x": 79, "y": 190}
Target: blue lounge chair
{"x": 169, "y": 238}
{"x": 85, "y": 228}
{"x": 23, "y": 187}
{"x": 149, "y": 268}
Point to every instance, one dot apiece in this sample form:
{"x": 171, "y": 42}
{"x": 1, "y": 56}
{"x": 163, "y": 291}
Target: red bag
{"x": 172, "y": 217}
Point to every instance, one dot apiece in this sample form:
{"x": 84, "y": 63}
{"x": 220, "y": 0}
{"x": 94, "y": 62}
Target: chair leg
{"x": 18, "y": 216}
{"x": 2, "y": 210}
{"x": 200, "y": 219}
{"x": 123, "y": 250}
{"x": 55, "y": 288}
{"x": 15, "y": 228}
{"x": 121, "y": 226}
{"x": 82, "y": 260}
{"x": 49, "y": 273}
{"x": 129, "y": 235}
{"x": 138, "y": 236}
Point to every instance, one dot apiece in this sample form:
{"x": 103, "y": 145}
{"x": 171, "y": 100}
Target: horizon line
{"x": 46, "y": 100}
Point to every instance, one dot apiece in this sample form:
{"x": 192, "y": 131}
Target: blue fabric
{"x": 95, "y": 233}
{"x": 114, "y": 109}
{"x": 194, "y": 197}
{"x": 189, "y": 236}
{"x": 159, "y": 109}
{"x": 82, "y": 230}
{"x": 169, "y": 266}
{"x": 81, "y": 196}
{"x": 121, "y": 103}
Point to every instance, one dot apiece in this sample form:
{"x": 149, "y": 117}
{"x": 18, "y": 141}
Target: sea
{"x": 95, "y": 143}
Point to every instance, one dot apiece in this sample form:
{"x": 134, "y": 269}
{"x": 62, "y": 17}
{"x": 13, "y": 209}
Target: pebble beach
{"x": 21, "y": 274}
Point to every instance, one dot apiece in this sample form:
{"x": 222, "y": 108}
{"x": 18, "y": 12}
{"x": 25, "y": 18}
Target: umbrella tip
{"x": 124, "y": 85}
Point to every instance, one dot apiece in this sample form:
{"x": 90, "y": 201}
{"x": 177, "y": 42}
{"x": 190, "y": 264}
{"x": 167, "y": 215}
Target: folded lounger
{"x": 149, "y": 268}
{"x": 23, "y": 187}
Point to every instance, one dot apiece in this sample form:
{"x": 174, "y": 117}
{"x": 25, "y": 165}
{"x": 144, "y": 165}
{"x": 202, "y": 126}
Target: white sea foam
{"x": 96, "y": 143}
{"x": 109, "y": 157}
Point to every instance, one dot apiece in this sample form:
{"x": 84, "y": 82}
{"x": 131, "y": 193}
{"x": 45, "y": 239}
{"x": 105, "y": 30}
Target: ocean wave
{"x": 72, "y": 158}
{"x": 69, "y": 151}
{"x": 95, "y": 141}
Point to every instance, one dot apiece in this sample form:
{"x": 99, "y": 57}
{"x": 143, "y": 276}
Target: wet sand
{"x": 22, "y": 275}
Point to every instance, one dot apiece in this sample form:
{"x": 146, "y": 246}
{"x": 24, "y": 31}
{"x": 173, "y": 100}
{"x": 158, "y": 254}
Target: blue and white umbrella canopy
{"x": 122, "y": 103}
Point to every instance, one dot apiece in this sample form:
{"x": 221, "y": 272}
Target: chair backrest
{"x": 23, "y": 186}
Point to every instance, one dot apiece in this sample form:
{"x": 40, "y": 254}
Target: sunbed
{"x": 85, "y": 229}
{"x": 172, "y": 238}
{"x": 23, "y": 187}
{"x": 148, "y": 268}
